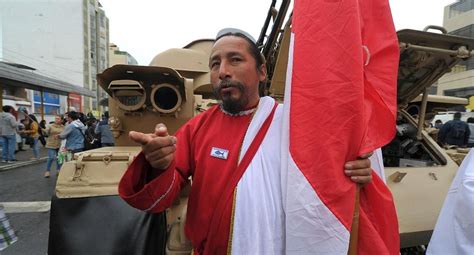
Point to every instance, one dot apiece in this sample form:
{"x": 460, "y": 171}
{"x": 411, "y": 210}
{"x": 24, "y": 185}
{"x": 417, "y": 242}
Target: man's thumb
{"x": 161, "y": 130}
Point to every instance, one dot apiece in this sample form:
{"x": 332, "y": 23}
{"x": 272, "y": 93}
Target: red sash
{"x": 219, "y": 230}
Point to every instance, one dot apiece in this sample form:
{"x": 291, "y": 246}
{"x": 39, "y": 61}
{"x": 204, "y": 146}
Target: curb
{"x": 21, "y": 164}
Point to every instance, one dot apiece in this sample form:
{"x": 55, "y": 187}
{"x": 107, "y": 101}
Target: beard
{"x": 226, "y": 101}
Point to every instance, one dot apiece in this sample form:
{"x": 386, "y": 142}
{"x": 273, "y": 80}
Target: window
{"x": 460, "y": 7}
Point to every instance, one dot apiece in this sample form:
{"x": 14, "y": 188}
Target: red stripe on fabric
{"x": 341, "y": 109}
{"x": 327, "y": 85}
{"x": 378, "y": 225}
{"x": 216, "y": 239}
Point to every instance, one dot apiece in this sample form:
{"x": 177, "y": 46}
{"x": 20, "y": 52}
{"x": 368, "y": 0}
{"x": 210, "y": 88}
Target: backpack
{"x": 90, "y": 142}
{"x": 458, "y": 130}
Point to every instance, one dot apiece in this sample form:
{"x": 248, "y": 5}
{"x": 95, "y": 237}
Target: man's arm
{"x": 153, "y": 180}
{"x": 66, "y": 132}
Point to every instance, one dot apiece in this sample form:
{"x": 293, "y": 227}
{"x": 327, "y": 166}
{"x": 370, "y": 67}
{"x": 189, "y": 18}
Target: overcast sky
{"x": 145, "y": 28}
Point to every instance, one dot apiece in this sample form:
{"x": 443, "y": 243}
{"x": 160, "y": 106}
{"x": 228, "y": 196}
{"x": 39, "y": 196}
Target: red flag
{"x": 341, "y": 104}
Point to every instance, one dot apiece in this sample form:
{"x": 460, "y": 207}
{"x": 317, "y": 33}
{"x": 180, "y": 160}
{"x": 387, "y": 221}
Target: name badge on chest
{"x": 219, "y": 153}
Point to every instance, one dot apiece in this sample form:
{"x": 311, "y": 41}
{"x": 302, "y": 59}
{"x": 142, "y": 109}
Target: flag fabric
{"x": 340, "y": 102}
{"x": 454, "y": 230}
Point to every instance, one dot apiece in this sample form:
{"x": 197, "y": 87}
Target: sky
{"x": 145, "y": 28}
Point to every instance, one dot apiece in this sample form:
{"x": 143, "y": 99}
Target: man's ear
{"x": 262, "y": 72}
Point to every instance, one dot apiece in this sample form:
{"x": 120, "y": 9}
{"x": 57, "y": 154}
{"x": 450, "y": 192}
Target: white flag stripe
{"x": 310, "y": 226}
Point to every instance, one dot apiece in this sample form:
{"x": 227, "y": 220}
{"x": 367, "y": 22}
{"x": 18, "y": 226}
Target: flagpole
{"x": 355, "y": 225}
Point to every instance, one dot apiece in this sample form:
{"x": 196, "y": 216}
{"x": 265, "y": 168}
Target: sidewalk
{"x": 24, "y": 158}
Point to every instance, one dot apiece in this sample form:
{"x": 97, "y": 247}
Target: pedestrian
{"x": 438, "y": 124}
{"x": 19, "y": 139}
{"x": 92, "y": 139}
{"x": 7, "y": 234}
{"x": 8, "y": 125}
{"x": 103, "y": 128}
{"x": 214, "y": 145}
{"x": 454, "y": 132}
{"x": 32, "y": 130}
{"x": 73, "y": 133}
{"x": 53, "y": 143}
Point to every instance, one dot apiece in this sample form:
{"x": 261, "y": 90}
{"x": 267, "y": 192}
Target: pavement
{"x": 25, "y": 158}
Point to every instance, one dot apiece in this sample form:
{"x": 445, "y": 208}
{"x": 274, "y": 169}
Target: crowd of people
{"x": 68, "y": 134}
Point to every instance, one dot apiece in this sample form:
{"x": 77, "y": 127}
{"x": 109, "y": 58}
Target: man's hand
{"x": 158, "y": 147}
{"x": 359, "y": 170}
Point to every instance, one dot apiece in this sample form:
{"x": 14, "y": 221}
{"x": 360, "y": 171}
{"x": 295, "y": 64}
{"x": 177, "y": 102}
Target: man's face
{"x": 234, "y": 75}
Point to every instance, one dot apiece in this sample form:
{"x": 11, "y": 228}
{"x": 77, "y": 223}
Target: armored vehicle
{"x": 419, "y": 171}
{"x": 176, "y": 86}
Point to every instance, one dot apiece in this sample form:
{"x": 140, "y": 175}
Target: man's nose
{"x": 224, "y": 71}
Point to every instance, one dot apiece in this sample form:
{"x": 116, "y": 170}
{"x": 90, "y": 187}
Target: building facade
{"x": 97, "y": 24}
{"x": 459, "y": 20}
{"x": 65, "y": 40}
{"x": 117, "y": 56}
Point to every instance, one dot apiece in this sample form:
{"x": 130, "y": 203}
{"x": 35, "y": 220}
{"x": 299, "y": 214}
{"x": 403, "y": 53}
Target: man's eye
{"x": 214, "y": 64}
{"x": 236, "y": 59}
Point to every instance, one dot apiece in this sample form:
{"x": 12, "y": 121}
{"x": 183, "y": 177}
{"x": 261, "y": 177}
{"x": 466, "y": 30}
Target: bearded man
{"x": 232, "y": 153}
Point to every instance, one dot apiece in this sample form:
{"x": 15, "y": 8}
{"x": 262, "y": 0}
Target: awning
{"x": 11, "y": 75}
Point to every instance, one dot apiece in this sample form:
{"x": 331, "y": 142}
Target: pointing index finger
{"x": 139, "y": 137}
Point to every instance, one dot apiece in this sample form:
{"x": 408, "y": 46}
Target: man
{"x": 92, "y": 140}
{"x": 241, "y": 134}
{"x": 103, "y": 129}
{"x": 454, "y": 132}
{"x": 73, "y": 133}
{"x": 8, "y": 126}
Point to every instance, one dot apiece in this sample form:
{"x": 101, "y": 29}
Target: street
{"x": 25, "y": 194}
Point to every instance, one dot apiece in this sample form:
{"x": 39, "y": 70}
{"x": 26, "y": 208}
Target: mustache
{"x": 229, "y": 83}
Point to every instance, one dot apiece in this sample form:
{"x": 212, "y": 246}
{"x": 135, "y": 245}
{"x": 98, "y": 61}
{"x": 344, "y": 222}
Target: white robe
{"x": 454, "y": 231}
{"x": 259, "y": 218}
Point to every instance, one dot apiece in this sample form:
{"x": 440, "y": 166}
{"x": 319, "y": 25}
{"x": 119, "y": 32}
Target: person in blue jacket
{"x": 73, "y": 133}
{"x": 103, "y": 128}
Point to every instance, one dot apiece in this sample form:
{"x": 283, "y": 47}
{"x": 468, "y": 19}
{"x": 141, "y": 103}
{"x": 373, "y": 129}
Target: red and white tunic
{"x": 209, "y": 148}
